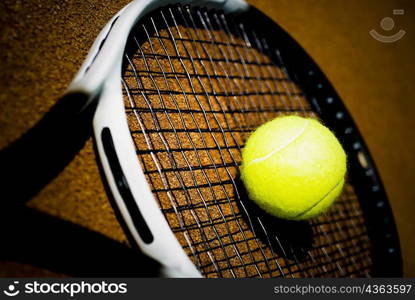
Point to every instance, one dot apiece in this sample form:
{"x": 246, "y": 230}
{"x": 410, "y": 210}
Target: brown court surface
{"x": 42, "y": 44}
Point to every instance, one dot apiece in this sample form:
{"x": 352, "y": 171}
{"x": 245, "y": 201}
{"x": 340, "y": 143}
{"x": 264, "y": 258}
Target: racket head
{"x": 362, "y": 173}
{"x": 117, "y": 127}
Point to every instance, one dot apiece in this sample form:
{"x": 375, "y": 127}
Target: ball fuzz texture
{"x": 293, "y": 167}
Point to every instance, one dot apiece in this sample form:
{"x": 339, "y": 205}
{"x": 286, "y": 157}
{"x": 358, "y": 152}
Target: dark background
{"x": 43, "y": 43}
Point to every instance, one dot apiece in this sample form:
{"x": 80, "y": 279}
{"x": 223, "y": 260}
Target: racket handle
{"x": 33, "y": 160}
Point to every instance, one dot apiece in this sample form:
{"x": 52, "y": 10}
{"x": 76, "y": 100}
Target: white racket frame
{"x": 100, "y": 76}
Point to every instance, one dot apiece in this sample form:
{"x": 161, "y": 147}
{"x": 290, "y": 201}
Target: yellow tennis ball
{"x": 293, "y": 167}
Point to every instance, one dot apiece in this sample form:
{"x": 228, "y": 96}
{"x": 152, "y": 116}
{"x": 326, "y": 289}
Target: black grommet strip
{"x": 123, "y": 187}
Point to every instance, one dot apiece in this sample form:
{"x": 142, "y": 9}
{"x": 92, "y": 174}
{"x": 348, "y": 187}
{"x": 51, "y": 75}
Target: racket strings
{"x": 205, "y": 68}
{"x": 222, "y": 88}
{"x": 195, "y": 87}
{"x": 229, "y": 233}
{"x": 250, "y": 79}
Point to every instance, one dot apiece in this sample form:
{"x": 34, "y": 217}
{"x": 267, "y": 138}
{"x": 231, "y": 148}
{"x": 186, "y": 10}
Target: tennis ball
{"x": 293, "y": 167}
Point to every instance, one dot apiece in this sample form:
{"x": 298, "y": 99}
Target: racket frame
{"x": 99, "y": 77}
{"x": 363, "y": 175}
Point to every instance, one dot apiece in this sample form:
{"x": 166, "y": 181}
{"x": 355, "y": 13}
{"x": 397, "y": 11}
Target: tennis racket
{"x": 174, "y": 89}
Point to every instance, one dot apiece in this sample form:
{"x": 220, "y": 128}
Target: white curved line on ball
{"x": 321, "y": 199}
{"x": 282, "y": 146}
